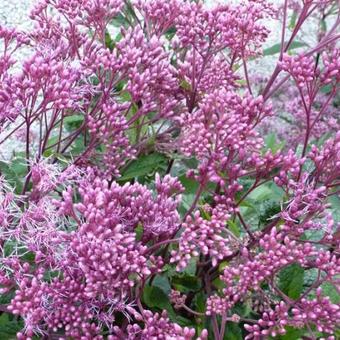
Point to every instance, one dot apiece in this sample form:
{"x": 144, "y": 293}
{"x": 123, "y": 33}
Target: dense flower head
{"x": 300, "y": 67}
{"x": 131, "y": 205}
{"x": 319, "y": 311}
{"x": 253, "y": 271}
{"x": 331, "y": 67}
{"x": 158, "y": 326}
{"x": 200, "y": 236}
{"x": 237, "y": 28}
{"x": 156, "y": 183}
{"x": 222, "y": 128}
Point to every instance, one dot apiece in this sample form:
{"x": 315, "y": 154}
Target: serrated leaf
{"x": 291, "y": 280}
{"x": 277, "y": 47}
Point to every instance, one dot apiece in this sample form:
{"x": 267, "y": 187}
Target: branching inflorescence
{"x": 152, "y": 192}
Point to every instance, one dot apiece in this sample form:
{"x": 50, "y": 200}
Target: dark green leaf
{"x": 155, "y": 297}
{"x": 233, "y": 332}
{"x": 9, "y": 328}
{"x": 170, "y": 33}
{"x": 184, "y": 322}
{"x": 291, "y": 280}
{"x": 200, "y": 302}
{"x": 186, "y": 283}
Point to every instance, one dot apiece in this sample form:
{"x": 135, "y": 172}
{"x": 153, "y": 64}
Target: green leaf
{"x": 139, "y": 232}
{"x": 329, "y": 290}
{"x": 182, "y": 321}
{"x": 78, "y": 146}
{"x": 189, "y": 184}
{"x": 125, "y": 96}
{"x": 170, "y": 33}
{"x": 277, "y": 47}
{"x": 291, "y": 280}
{"x": 162, "y": 282}
{"x": 272, "y": 144}
{"x": 71, "y": 123}
{"x": 144, "y": 165}
{"x": 292, "y": 333}
{"x": 119, "y": 20}
{"x": 233, "y": 227}
{"x": 9, "y": 327}
{"x": 155, "y": 297}
{"x": 261, "y": 193}
{"x": 293, "y": 20}
{"x": 219, "y": 284}
{"x": 109, "y": 42}
{"x": 74, "y": 119}
{"x": 233, "y": 332}
{"x": 326, "y": 88}
{"x": 200, "y": 302}
{"x": 185, "y": 85}
{"x": 11, "y": 177}
{"x": 186, "y": 283}
{"x": 18, "y": 165}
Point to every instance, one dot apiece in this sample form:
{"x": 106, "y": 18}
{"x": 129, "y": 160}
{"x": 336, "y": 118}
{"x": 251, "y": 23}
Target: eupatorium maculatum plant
{"x": 156, "y": 185}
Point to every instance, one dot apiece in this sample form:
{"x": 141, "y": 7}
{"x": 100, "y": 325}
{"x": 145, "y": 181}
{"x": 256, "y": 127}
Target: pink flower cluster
{"x": 149, "y": 196}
